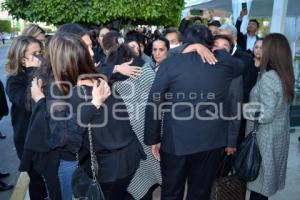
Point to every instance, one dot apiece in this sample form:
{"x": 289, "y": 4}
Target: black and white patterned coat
{"x": 134, "y": 92}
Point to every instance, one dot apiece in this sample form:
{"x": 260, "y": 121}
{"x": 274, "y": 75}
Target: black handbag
{"x": 3, "y": 102}
{"x": 85, "y": 187}
{"x": 82, "y": 185}
{"x": 248, "y": 158}
{"x": 228, "y": 187}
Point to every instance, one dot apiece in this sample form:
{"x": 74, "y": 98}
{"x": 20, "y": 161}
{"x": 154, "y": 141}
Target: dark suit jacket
{"x": 250, "y": 73}
{"x": 16, "y": 87}
{"x": 190, "y": 89}
{"x": 233, "y": 106}
{"x": 241, "y": 38}
{"x": 249, "y": 78}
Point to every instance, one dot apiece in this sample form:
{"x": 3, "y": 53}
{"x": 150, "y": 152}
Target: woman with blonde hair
{"x": 22, "y": 64}
{"x": 257, "y": 52}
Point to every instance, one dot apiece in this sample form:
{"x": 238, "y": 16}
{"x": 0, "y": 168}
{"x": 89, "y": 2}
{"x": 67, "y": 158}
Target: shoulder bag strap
{"x": 94, "y": 163}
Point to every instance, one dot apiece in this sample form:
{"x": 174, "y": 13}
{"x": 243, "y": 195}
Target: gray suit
{"x": 273, "y": 134}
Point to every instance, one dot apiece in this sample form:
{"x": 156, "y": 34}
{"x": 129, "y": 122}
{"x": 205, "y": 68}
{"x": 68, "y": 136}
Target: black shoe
{"x": 3, "y": 175}
{"x": 2, "y": 136}
{"x": 4, "y": 186}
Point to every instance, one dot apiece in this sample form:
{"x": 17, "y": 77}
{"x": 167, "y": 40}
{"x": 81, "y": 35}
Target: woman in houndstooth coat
{"x": 134, "y": 92}
{"x": 274, "y": 90}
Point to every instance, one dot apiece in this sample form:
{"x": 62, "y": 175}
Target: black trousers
{"x": 37, "y": 187}
{"x": 116, "y": 190}
{"x": 148, "y": 195}
{"x": 257, "y": 196}
{"x": 199, "y": 169}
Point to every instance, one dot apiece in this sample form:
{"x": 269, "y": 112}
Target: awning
{"x": 259, "y": 8}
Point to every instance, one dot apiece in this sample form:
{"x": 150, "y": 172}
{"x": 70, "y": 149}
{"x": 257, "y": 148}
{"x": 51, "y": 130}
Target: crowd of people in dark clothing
{"x": 151, "y": 106}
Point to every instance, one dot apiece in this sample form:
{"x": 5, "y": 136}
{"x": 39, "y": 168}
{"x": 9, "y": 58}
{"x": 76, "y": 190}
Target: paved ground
{"x": 9, "y": 161}
{"x": 292, "y": 189}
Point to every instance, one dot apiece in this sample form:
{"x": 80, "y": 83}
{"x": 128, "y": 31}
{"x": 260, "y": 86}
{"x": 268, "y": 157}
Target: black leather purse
{"x": 248, "y": 158}
{"x": 84, "y": 186}
{"x": 228, "y": 187}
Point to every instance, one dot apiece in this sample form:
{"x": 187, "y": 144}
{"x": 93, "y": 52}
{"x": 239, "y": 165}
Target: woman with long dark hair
{"x": 274, "y": 91}
{"x": 72, "y": 65}
{"x": 109, "y": 68}
{"x": 134, "y": 45}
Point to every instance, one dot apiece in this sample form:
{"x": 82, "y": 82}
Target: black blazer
{"x": 16, "y": 87}
{"x": 233, "y": 105}
{"x": 184, "y": 83}
{"x": 241, "y": 38}
{"x": 250, "y": 73}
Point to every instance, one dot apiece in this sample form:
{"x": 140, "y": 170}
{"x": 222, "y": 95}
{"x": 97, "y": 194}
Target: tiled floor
{"x": 292, "y": 188}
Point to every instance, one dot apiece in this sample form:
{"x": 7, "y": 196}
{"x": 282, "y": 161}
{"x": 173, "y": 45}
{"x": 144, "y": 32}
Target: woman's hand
{"x": 127, "y": 70}
{"x": 205, "y": 53}
{"x": 100, "y": 92}
{"x": 97, "y": 64}
{"x": 32, "y": 62}
{"x": 230, "y": 150}
{"x": 36, "y": 89}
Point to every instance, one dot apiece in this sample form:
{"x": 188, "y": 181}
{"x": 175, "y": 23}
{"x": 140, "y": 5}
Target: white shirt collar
{"x": 250, "y": 42}
{"x": 234, "y": 49}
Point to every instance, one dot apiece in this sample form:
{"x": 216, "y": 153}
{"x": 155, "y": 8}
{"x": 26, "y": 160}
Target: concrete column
{"x": 278, "y": 16}
{"x": 236, "y": 9}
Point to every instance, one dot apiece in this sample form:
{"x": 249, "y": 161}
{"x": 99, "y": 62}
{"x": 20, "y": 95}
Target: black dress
{"x": 117, "y": 148}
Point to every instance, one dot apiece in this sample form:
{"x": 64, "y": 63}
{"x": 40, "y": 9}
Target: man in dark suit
{"x": 233, "y": 102}
{"x": 190, "y": 94}
{"x": 250, "y": 73}
{"x": 246, "y": 41}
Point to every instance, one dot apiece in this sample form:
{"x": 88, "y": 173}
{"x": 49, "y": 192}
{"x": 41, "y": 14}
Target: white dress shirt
{"x": 250, "y": 42}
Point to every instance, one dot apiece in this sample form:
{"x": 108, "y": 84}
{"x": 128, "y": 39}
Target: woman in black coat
{"x": 114, "y": 142}
{"x": 22, "y": 64}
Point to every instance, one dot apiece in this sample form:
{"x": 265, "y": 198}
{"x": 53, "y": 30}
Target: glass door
{"x": 295, "y": 109}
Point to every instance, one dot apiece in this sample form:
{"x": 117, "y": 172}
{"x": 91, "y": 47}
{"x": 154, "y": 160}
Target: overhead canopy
{"x": 259, "y": 8}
